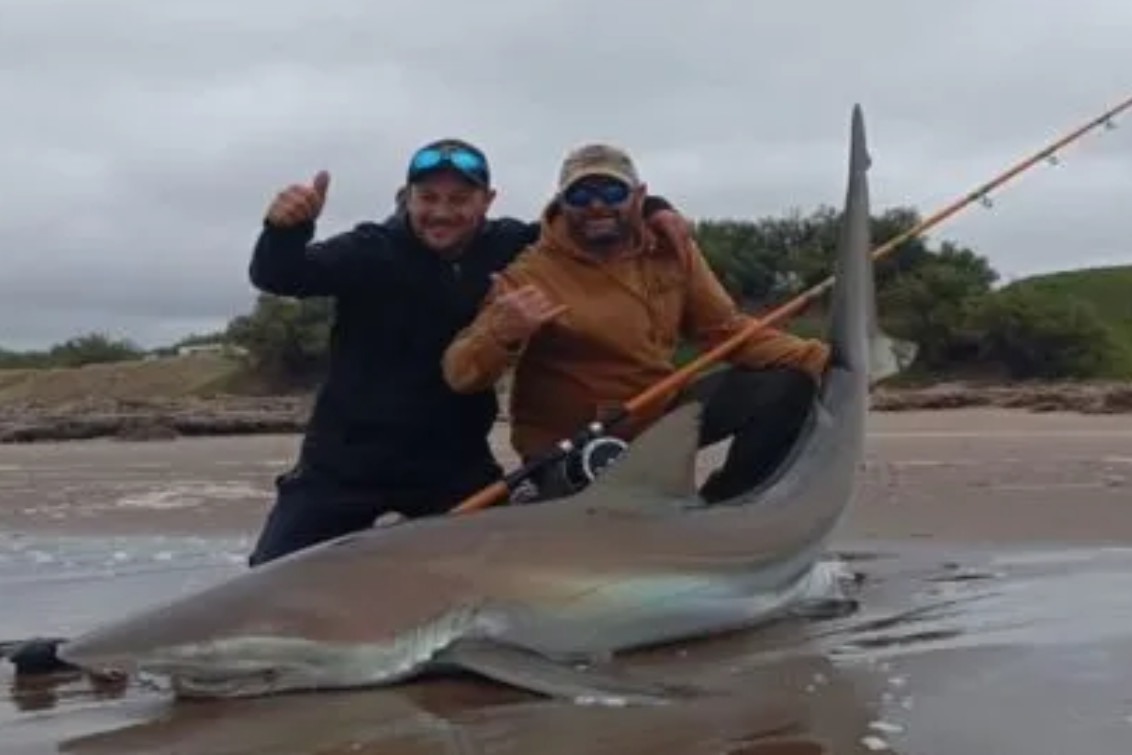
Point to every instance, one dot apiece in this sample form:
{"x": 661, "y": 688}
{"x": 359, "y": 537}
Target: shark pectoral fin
{"x": 533, "y": 672}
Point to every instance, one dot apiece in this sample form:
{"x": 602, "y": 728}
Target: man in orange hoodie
{"x": 592, "y": 314}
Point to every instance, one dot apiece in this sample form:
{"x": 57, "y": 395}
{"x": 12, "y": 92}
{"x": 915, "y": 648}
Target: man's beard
{"x": 600, "y": 234}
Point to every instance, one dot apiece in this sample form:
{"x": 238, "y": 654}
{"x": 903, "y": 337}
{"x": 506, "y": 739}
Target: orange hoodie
{"x": 626, "y": 314}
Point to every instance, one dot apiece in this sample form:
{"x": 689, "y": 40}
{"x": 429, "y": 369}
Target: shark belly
{"x": 252, "y": 664}
{"x": 614, "y": 615}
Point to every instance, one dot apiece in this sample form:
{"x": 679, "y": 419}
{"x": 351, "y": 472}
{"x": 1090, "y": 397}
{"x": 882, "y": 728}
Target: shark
{"x": 543, "y": 596}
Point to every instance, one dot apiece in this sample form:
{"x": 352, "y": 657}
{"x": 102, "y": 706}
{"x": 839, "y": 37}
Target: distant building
{"x": 226, "y": 349}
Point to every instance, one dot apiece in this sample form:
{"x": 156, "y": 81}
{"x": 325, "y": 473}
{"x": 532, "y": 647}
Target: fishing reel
{"x": 586, "y": 464}
{"x": 573, "y": 471}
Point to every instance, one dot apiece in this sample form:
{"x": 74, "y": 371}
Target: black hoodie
{"x": 384, "y": 416}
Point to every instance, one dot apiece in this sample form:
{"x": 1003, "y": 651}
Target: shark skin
{"x": 517, "y": 594}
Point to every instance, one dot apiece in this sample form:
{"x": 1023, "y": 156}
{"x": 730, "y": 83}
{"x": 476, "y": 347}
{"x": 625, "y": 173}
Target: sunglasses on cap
{"x": 608, "y": 192}
{"x": 463, "y": 160}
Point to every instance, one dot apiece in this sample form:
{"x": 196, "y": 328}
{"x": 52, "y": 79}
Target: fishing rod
{"x": 664, "y": 388}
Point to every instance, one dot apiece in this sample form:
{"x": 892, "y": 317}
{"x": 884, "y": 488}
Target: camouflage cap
{"x": 597, "y": 160}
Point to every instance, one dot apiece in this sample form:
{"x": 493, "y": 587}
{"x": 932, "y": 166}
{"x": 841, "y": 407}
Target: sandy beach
{"x": 974, "y": 474}
{"x": 992, "y": 543}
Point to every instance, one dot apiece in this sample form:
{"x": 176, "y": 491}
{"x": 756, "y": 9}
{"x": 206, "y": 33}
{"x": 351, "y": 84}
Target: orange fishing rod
{"x": 662, "y": 389}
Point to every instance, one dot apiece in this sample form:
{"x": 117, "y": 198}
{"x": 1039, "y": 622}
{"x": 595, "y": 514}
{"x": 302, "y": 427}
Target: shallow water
{"x": 952, "y": 651}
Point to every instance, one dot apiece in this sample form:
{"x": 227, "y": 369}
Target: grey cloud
{"x": 143, "y": 140}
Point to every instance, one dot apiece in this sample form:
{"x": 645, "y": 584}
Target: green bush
{"x": 285, "y": 338}
{"x": 1034, "y": 334}
{"x": 1107, "y": 289}
{"x": 92, "y": 348}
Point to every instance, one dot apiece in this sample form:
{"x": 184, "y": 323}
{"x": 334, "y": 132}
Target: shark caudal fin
{"x": 888, "y": 356}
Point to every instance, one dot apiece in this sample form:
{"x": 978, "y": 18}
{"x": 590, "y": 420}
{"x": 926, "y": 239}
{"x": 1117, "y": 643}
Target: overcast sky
{"x": 141, "y": 141}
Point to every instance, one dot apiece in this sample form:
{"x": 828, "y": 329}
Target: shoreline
{"x": 227, "y": 415}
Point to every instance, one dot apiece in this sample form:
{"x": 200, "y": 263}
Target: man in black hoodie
{"x": 387, "y": 435}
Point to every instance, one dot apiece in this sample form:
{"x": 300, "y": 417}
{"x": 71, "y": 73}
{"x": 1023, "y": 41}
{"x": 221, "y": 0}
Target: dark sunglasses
{"x": 460, "y": 158}
{"x": 607, "y": 192}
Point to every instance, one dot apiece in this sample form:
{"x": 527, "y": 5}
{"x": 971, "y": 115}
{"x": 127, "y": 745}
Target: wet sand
{"x": 993, "y": 546}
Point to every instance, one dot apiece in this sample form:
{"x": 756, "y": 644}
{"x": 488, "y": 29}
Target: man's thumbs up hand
{"x": 299, "y": 203}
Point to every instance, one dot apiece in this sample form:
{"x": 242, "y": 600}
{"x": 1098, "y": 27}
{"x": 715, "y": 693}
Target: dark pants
{"x": 309, "y": 509}
{"x": 762, "y": 412}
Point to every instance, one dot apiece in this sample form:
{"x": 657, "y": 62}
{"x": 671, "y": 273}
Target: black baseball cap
{"x": 454, "y": 155}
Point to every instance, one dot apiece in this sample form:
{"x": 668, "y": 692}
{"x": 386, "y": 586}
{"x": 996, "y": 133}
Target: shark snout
{"x": 95, "y": 659}
{"x": 193, "y": 671}
{"x": 233, "y": 666}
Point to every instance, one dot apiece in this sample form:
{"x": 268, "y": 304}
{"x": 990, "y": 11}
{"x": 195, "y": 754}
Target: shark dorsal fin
{"x": 659, "y": 464}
